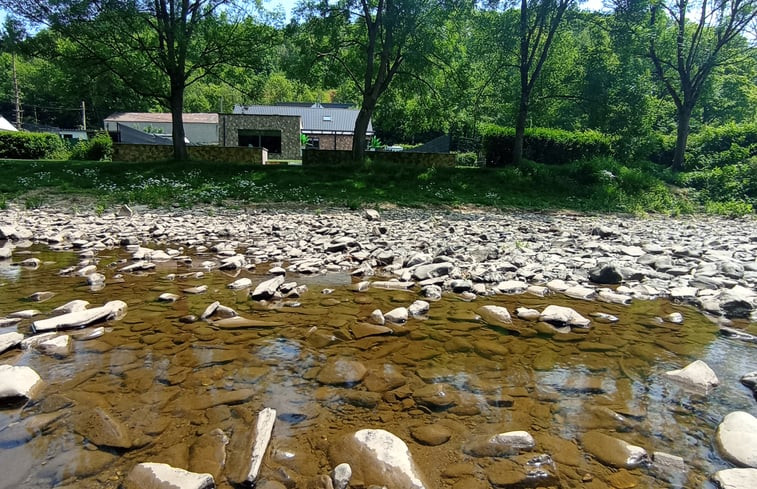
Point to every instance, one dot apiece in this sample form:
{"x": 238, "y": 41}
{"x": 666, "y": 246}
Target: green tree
{"x": 157, "y": 48}
{"x": 11, "y": 37}
{"x": 687, "y": 42}
{"x": 371, "y": 41}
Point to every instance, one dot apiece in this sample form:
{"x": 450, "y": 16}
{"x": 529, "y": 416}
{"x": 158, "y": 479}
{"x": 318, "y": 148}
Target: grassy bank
{"x": 596, "y": 185}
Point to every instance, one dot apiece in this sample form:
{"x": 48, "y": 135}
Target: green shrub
{"x": 99, "y": 148}
{"x": 466, "y": 159}
{"x": 726, "y": 183}
{"x": 31, "y": 146}
{"x": 550, "y": 146}
{"x": 732, "y": 208}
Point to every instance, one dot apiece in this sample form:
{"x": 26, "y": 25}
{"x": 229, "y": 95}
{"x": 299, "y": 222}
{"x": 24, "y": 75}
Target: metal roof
{"x": 162, "y": 117}
{"x": 5, "y": 125}
{"x": 315, "y": 120}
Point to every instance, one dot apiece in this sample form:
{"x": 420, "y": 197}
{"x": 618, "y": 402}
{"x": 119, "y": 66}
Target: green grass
{"x": 596, "y": 185}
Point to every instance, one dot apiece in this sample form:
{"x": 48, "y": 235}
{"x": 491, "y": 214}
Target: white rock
{"x": 418, "y": 308}
{"x": 613, "y": 298}
{"x": 168, "y": 297}
{"x": 33, "y": 341}
{"x": 674, "y": 317}
{"x": 737, "y": 438}
{"x": 527, "y": 314}
{"x": 111, "y": 310}
{"x": 84, "y": 271}
{"x": 60, "y": 346}
{"x": 95, "y": 279}
{"x": 511, "y": 287}
{"x": 683, "y": 293}
{"x": 240, "y": 284}
{"x": 538, "y": 290}
{"x": 696, "y": 374}
{"x": 162, "y": 476}
{"x": 494, "y": 315}
{"x": 580, "y": 292}
{"x": 377, "y": 317}
{"x": 378, "y": 457}
{"x": 563, "y": 316}
{"x": 736, "y": 478}
{"x": 341, "y": 476}
{"x": 398, "y": 315}
{"x": 9, "y": 340}
{"x": 18, "y": 382}
{"x": 266, "y": 289}
{"x": 557, "y": 285}
{"x": 501, "y": 444}
{"x": 72, "y": 306}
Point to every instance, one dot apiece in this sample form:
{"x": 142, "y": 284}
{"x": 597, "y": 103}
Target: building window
{"x": 257, "y": 138}
{"x": 313, "y": 143}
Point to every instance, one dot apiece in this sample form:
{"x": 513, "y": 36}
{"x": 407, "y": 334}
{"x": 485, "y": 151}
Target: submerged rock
{"x": 378, "y": 457}
{"x": 614, "y": 451}
{"x": 162, "y": 476}
{"x": 500, "y": 445}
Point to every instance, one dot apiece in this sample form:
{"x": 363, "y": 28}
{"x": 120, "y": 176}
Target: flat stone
{"x": 736, "y": 438}
{"x": 614, "y": 451}
{"x": 560, "y": 316}
{"x": 362, "y": 330}
{"x": 736, "y": 478}
{"x": 339, "y": 371}
{"x": 500, "y": 445}
{"x": 495, "y": 315}
{"x": 431, "y": 434}
{"x": 60, "y": 346}
{"x": 9, "y": 340}
{"x": 80, "y": 319}
{"x": 101, "y": 429}
{"x": 162, "y": 476}
{"x": 437, "y": 396}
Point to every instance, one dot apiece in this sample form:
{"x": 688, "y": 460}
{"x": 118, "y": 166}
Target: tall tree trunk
{"x": 682, "y": 135}
{"x": 520, "y": 129}
{"x": 177, "y": 121}
{"x": 17, "y": 93}
{"x": 361, "y": 128}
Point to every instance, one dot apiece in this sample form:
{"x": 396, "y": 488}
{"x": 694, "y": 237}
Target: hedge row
{"x": 549, "y": 146}
{"x": 31, "y": 146}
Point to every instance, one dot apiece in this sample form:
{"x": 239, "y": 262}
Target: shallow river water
{"x": 170, "y": 382}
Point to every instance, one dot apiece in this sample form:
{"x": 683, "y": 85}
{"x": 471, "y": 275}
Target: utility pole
{"x": 83, "y": 116}
{"x": 17, "y": 92}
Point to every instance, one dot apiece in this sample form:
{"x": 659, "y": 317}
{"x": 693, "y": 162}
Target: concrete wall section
{"x": 290, "y": 127}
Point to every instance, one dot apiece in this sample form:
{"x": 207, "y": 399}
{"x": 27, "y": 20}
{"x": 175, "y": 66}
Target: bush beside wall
{"x": 548, "y": 146}
{"x": 31, "y": 146}
{"x": 328, "y": 157}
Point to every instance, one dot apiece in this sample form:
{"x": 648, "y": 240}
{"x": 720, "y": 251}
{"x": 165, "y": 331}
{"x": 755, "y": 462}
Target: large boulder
{"x": 737, "y": 438}
{"x": 605, "y": 274}
{"x": 563, "y": 316}
{"x": 378, "y": 457}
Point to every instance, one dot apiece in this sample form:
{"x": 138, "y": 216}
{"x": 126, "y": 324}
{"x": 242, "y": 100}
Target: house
{"x": 5, "y": 125}
{"x": 327, "y": 126}
{"x": 199, "y": 128}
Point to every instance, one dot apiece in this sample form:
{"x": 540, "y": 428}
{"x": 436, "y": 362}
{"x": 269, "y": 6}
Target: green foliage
{"x": 725, "y": 183}
{"x": 99, "y": 148}
{"x": 732, "y": 208}
{"x": 375, "y": 143}
{"x": 550, "y": 146}
{"x": 31, "y": 146}
{"x": 304, "y": 139}
{"x": 729, "y": 144}
{"x": 466, "y": 159}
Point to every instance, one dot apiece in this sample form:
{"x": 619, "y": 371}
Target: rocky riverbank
{"x": 706, "y": 262}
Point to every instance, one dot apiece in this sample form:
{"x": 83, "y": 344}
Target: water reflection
{"x": 170, "y": 381}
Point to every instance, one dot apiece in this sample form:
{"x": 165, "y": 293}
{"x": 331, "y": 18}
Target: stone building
{"x": 279, "y": 134}
{"x": 327, "y": 126}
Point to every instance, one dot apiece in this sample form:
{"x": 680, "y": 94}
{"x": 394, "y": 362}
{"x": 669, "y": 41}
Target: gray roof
{"x": 315, "y": 120}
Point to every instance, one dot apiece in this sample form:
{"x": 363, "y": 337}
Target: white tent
{"x": 5, "y": 125}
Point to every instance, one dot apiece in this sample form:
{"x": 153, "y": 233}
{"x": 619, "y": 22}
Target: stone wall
{"x": 150, "y": 152}
{"x": 322, "y": 157}
{"x": 289, "y": 125}
{"x": 331, "y": 142}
